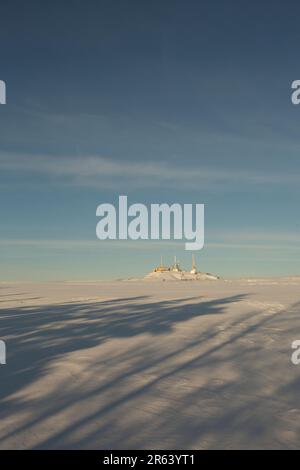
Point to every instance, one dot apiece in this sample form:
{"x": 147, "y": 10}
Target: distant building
{"x": 175, "y": 273}
{"x": 176, "y": 268}
{"x": 194, "y": 267}
{"x": 161, "y": 268}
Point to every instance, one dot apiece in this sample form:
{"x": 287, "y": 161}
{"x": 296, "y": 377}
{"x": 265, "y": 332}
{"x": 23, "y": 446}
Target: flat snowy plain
{"x": 145, "y": 364}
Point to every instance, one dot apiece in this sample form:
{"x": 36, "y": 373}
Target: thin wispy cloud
{"x": 95, "y": 171}
{"x": 235, "y": 240}
{"x": 264, "y": 236}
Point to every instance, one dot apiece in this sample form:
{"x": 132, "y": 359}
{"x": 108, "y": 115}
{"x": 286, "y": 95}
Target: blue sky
{"x": 163, "y": 101}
